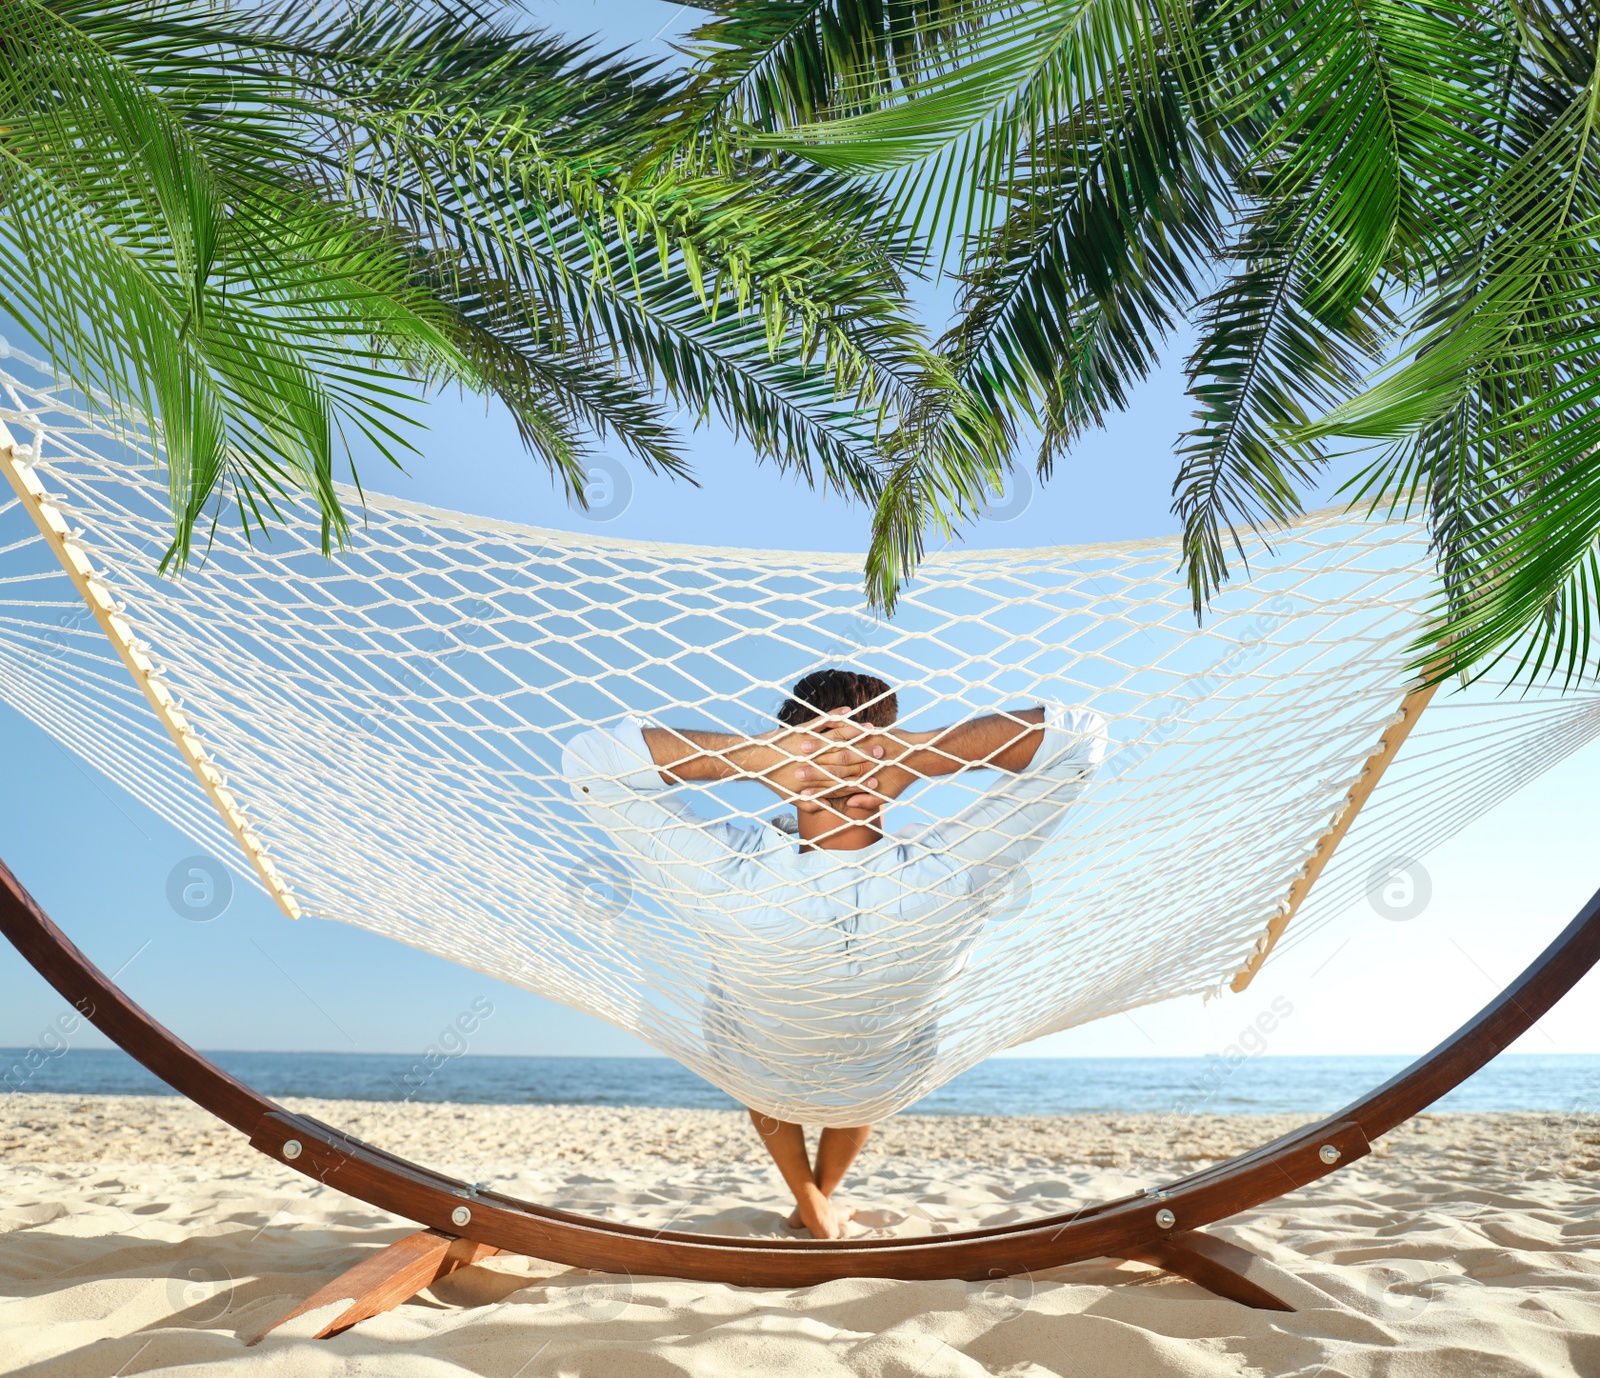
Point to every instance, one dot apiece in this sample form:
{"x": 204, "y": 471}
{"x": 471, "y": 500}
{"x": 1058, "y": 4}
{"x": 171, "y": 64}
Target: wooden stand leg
{"x": 383, "y": 1280}
{"x": 1214, "y": 1263}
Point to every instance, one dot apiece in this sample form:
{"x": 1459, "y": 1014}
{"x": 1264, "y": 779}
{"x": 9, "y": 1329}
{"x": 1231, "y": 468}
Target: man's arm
{"x": 1013, "y": 819}
{"x": 1005, "y": 741}
{"x": 686, "y": 755}
{"x": 673, "y": 849}
{"x": 1001, "y": 741}
{"x": 797, "y": 764}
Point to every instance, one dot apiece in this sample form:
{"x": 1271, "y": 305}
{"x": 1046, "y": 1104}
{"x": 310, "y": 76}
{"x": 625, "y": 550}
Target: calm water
{"x": 1005, "y": 1086}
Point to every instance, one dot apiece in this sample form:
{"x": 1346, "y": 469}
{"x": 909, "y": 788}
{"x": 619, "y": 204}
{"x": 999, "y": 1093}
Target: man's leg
{"x": 836, "y": 1150}
{"x": 787, "y": 1144}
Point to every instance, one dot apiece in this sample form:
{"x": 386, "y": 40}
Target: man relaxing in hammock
{"x": 832, "y": 949}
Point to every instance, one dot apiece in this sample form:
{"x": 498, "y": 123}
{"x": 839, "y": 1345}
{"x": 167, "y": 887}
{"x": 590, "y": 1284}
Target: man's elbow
{"x": 1085, "y": 737}
{"x": 1093, "y": 733}
{"x": 580, "y": 758}
{"x": 578, "y": 774}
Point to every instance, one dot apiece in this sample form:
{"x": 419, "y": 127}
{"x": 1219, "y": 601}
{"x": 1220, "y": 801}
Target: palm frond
{"x": 944, "y": 141}
{"x": 1493, "y": 406}
{"x": 280, "y": 222}
{"x": 1068, "y": 302}
{"x": 734, "y": 296}
{"x": 1264, "y": 366}
{"x": 767, "y": 65}
{"x": 159, "y": 262}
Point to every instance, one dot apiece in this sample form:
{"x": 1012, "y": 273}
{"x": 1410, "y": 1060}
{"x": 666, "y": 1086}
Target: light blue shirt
{"x": 827, "y": 965}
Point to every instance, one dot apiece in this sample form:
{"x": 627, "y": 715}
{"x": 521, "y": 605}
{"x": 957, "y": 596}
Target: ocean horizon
{"x": 1312, "y": 1085}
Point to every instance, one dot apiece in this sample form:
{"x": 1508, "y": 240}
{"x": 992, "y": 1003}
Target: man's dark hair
{"x": 867, "y": 697}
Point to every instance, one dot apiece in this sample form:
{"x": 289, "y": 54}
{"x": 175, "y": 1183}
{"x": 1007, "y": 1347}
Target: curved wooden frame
{"x": 1150, "y": 1225}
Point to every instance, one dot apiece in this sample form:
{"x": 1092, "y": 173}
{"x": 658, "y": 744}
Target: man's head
{"x": 868, "y": 699}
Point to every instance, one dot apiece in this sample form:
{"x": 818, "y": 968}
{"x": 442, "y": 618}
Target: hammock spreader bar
{"x": 14, "y": 462}
{"x": 1361, "y": 790}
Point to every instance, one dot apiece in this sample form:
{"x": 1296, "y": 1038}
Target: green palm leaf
{"x": 269, "y": 227}
{"x": 946, "y": 136}
{"x": 1494, "y": 404}
{"x": 1374, "y": 167}
{"x": 179, "y": 270}
{"x": 767, "y": 302}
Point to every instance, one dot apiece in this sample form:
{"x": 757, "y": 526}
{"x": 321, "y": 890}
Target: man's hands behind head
{"x": 874, "y": 765}
{"x": 822, "y": 764}
{"x": 860, "y": 761}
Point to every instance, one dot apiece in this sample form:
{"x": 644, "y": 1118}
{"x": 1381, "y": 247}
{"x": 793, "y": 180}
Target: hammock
{"x": 378, "y": 739}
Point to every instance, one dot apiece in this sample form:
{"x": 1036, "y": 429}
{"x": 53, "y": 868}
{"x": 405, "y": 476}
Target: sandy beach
{"x": 138, "y": 1236}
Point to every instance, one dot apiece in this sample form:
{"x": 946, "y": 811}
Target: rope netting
{"x": 394, "y": 725}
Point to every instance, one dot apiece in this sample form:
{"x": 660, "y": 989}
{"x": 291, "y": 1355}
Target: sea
{"x": 1002, "y": 1086}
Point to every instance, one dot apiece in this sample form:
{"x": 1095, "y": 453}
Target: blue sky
{"x": 248, "y": 978}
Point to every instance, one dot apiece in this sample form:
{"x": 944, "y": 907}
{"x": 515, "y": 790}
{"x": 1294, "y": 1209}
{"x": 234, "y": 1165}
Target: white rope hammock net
{"x": 392, "y": 724}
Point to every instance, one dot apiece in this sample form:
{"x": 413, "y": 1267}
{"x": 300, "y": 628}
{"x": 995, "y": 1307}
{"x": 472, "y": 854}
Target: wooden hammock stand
{"x": 464, "y": 1223}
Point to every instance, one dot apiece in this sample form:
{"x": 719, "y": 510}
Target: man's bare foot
{"x": 841, "y": 1214}
{"x": 819, "y": 1215}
